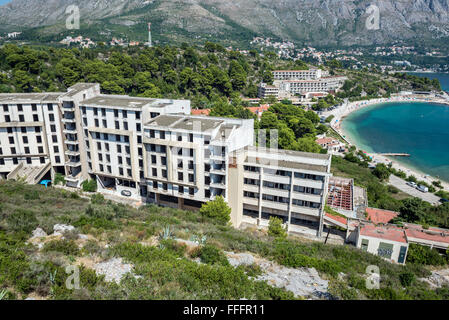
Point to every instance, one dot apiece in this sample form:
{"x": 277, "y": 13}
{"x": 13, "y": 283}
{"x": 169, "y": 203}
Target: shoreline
{"x": 344, "y": 111}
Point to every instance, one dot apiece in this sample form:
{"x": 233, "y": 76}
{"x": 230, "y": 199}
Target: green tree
{"x": 412, "y": 209}
{"x": 275, "y": 228}
{"x": 382, "y": 172}
{"x": 217, "y": 209}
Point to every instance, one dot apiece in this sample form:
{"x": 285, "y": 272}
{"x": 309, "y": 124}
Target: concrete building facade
{"x": 153, "y": 150}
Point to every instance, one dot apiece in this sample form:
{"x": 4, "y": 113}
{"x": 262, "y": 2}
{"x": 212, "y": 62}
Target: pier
{"x": 395, "y": 154}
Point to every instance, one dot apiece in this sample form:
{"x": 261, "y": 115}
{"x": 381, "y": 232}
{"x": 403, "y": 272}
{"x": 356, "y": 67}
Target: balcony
{"x": 72, "y": 153}
{"x": 73, "y": 164}
{"x": 218, "y": 184}
{"x": 219, "y": 157}
{"x": 218, "y": 170}
{"x": 70, "y": 131}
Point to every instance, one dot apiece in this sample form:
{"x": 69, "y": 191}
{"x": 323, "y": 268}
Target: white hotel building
{"x": 153, "y": 151}
{"x": 288, "y": 83}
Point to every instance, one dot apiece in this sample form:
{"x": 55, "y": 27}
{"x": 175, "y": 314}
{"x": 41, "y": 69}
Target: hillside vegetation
{"x": 164, "y": 268}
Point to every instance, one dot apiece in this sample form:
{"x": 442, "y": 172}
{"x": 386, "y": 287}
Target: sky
{"x": 4, "y": 1}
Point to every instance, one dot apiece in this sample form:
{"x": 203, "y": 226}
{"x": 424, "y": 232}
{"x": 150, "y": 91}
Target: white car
{"x": 412, "y": 184}
{"x": 423, "y": 188}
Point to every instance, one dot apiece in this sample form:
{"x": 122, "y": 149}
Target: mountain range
{"x": 317, "y": 22}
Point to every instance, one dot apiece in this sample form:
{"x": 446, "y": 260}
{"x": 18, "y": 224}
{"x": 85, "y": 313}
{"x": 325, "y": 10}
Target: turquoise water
{"x": 443, "y": 77}
{"x": 420, "y": 129}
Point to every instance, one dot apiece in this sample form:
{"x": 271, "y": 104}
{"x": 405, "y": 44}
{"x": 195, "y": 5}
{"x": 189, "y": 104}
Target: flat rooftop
{"x": 311, "y": 155}
{"x": 391, "y": 233}
{"x": 79, "y": 87}
{"x": 260, "y": 160}
{"x": 12, "y": 98}
{"x": 190, "y": 123}
{"x": 117, "y": 101}
{"x": 380, "y": 216}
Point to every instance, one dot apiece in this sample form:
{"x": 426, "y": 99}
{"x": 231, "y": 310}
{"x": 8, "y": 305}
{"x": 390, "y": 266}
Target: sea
{"x": 419, "y": 129}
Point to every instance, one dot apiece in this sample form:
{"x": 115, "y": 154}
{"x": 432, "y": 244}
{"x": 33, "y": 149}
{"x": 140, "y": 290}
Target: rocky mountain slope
{"x": 327, "y": 22}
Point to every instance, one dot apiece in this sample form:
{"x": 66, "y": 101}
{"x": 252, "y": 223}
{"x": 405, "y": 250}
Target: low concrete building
{"x": 389, "y": 242}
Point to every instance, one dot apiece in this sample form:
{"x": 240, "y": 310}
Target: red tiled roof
{"x": 258, "y": 110}
{"x": 380, "y": 216}
{"x": 391, "y": 233}
{"x": 431, "y": 234}
{"x": 337, "y": 218}
{"x": 198, "y": 112}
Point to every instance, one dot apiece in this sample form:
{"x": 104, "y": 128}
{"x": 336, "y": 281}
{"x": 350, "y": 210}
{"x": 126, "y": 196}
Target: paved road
{"x": 402, "y": 185}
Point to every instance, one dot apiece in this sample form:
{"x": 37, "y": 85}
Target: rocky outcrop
{"x": 302, "y": 282}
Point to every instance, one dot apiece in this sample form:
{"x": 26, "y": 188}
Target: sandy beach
{"x": 345, "y": 110}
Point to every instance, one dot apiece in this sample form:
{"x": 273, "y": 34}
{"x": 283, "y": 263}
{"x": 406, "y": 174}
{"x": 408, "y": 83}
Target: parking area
{"x": 402, "y": 185}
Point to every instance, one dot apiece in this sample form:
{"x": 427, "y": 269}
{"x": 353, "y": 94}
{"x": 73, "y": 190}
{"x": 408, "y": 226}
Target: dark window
{"x": 23, "y": 129}
{"x": 7, "y": 118}
{"x": 27, "y": 150}
{"x": 21, "y": 118}
{"x": 15, "y": 161}
{"x": 19, "y": 107}
{"x": 42, "y": 159}
{"x": 53, "y": 128}
{"x": 40, "y": 149}
{"x": 13, "y": 150}
{"x": 33, "y": 107}
{"x": 25, "y": 139}
{"x": 50, "y": 107}
{"x": 57, "y": 159}
{"x": 54, "y": 139}
{"x": 11, "y": 140}
{"x": 35, "y": 117}
{"x": 51, "y": 116}
{"x": 5, "y": 108}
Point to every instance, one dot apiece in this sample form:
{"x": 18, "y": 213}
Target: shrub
{"x": 89, "y": 185}
{"x": 276, "y": 229}
{"x": 381, "y": 171}
{"x": 31, "y": 195}
{"x": 212, "y": 255}
{"x": 424, "y": 255}
{"x": 67, "y": 247}
{"x": 59, "y": 179}
{"x": 217, "y": 209}
{"x": 97, "y": 198}
{"x": 22, "y": 220}
{"x": 407, "y": 278}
